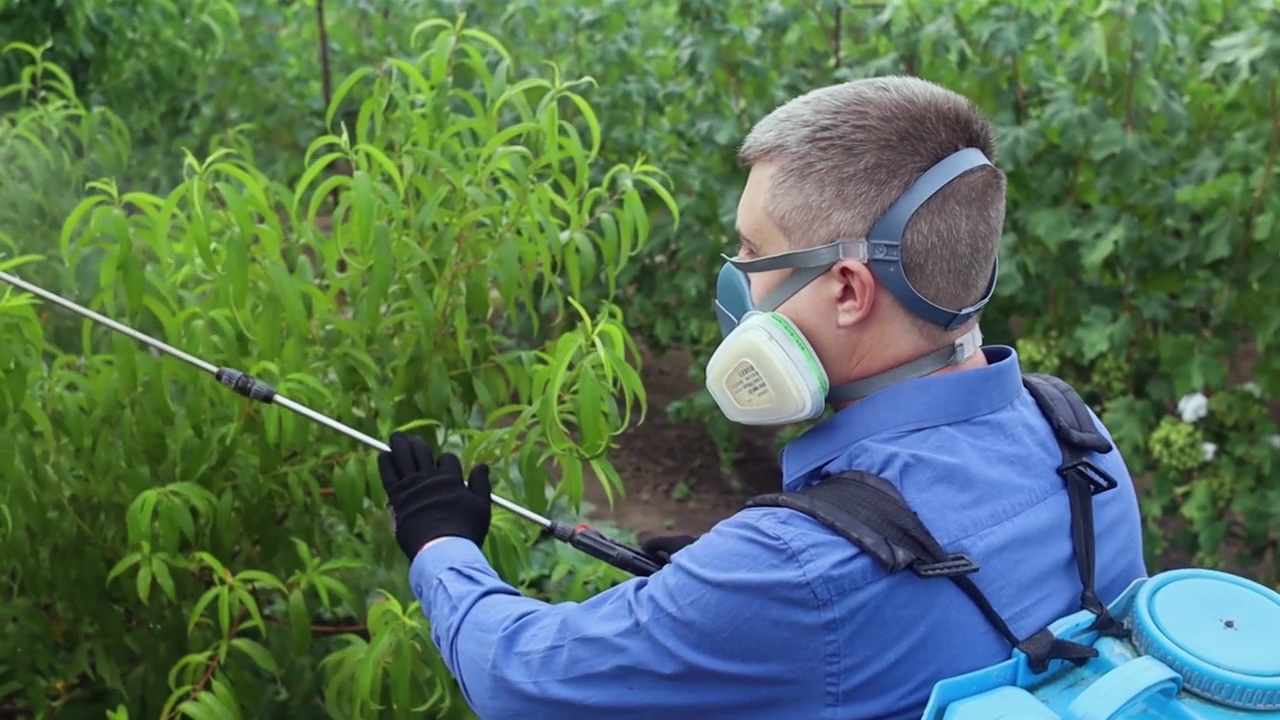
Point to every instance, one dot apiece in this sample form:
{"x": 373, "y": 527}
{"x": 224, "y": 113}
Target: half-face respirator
{"x": 765, "y": 372}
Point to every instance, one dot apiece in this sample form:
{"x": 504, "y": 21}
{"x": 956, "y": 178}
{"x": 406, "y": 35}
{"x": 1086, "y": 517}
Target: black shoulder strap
{"x": 1069, "y": 417}
{"x": 870, "y": 513}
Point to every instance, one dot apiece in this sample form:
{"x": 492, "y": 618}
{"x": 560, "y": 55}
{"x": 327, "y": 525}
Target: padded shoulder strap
{"x": 1077, "y": 435}
{"x": 1066, "y": 412}
{"x": 870, "y": 513}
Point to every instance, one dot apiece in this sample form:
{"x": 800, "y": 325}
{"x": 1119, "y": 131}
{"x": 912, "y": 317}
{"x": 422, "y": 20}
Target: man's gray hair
{"x": 845, "y": 152}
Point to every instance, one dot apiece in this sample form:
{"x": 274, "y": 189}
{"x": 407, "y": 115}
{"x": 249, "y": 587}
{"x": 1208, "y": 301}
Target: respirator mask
{"x": 765, "y": 372}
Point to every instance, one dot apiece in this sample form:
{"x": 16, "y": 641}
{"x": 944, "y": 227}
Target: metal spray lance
{"x": 582, "y": 537}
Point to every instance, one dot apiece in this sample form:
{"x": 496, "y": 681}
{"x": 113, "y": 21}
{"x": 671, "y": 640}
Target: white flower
{"x": 1253, "y": 388}
{"x": 1193, "y": 407}
{"x": 1210, "y": 449}
{"x": 1274, "y": 441}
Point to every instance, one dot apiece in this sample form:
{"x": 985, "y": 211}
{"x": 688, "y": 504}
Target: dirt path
{"x": 671, "y": 470}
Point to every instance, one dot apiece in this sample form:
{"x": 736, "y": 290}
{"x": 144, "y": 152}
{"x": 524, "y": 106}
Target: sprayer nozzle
{"x": 246, "y": 385}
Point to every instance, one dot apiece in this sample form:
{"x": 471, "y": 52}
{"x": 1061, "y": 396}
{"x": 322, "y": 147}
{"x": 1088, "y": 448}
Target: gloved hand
{"x": 427, "y": 499}
{"x": 662, "y": 547}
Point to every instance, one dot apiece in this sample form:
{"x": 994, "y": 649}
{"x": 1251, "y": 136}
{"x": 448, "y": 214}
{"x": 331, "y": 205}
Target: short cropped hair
{"x": 845, "y": 152}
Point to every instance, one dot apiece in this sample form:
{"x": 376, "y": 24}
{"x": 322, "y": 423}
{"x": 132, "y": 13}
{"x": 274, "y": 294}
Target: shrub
{"x": 171, "y": 550}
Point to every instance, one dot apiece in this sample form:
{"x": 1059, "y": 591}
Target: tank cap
{"x": 1221, "y": 632}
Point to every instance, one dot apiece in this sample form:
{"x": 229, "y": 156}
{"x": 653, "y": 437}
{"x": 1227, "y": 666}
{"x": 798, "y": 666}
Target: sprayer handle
{"x": 602, "y": 547}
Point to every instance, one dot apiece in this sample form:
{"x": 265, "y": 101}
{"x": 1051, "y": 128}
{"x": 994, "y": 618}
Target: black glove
{"x": 427, "y": 499}
{"x": 661, "y": 548}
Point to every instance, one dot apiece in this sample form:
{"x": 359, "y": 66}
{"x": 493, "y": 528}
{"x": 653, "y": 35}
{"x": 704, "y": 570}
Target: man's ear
{"x": 855, "y": 292}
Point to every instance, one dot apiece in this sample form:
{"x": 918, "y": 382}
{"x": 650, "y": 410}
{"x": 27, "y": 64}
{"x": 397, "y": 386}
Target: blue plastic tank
{"x": 1204, "y": 645}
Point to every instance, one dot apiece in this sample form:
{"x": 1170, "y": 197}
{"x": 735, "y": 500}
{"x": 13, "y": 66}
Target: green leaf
{"x": 125, "y": 563}
{"x": 160, "y": 570}
{"x": 299, "y": 622}
{"x": 402, "y": 664}
{"x": 257, "y": 653}
{"x": 144, "y": 582}
{"x": 349, "y": 485}
{"x": 590, "y": 402}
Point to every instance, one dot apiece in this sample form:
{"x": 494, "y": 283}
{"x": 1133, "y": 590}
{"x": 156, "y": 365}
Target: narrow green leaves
{"x": 444, "y": 257}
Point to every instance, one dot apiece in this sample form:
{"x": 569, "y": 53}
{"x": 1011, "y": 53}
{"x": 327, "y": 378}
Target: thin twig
{"x": 214, "y": 663}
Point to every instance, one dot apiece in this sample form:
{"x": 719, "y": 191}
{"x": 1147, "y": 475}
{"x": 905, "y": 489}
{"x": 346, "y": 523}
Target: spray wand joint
{"x": 246, "y": 385}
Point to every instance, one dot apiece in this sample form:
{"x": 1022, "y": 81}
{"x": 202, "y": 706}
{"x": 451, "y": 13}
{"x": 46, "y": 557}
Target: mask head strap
{"x": 733, "y": 289}
{"x": 884, "y": 248}
{"x": 885, "y": 242}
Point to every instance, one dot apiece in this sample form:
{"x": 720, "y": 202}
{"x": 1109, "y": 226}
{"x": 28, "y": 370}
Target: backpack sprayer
{"x": 582, "y": 536}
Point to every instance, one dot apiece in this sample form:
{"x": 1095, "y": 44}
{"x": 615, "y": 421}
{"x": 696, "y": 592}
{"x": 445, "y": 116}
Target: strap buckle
{"x": 956, "y": 564}
{"x": 1098, "y": 479}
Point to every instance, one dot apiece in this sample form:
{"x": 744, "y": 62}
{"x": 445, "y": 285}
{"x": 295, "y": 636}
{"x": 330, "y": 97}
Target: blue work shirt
{"x": 771, "y": 615}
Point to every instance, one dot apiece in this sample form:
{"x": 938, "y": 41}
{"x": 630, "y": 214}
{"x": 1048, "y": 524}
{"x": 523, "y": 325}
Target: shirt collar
{"x": 913, "y": 405}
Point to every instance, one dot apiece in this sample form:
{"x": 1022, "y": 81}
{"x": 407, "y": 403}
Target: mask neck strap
{"x": 961, "y": 350}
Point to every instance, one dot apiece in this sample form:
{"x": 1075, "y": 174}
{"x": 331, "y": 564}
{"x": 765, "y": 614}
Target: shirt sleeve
{"x": 733, "y": 627}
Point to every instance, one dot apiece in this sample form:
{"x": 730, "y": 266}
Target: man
{"x": 771, "y": 614}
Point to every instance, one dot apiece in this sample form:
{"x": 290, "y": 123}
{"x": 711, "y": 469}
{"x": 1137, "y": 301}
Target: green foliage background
{"x": 401, "y": 220}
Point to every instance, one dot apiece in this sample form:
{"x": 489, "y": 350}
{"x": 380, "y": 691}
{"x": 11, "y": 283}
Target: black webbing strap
{"x": 870, "y": 513}
{"x": 1069, "y": 417}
